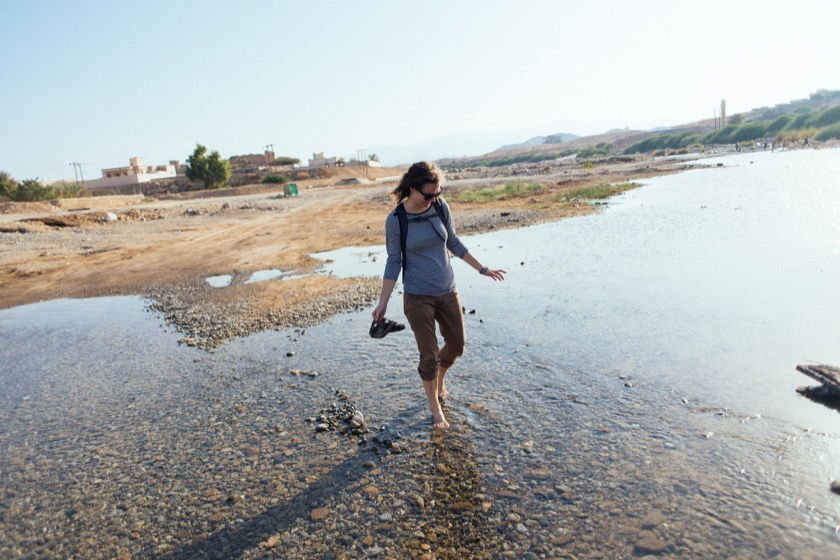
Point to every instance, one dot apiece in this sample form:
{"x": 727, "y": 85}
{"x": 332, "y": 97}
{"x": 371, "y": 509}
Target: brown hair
{"x": 417, "y": 175}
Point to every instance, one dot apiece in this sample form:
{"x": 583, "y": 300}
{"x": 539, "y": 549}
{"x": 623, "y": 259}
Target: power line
{"x": 269, "y": 155}
{"x": 77, "y": 165}
{"x": 361, "y": 156}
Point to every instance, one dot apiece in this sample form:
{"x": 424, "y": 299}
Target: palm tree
{"x": 7, "y": 185}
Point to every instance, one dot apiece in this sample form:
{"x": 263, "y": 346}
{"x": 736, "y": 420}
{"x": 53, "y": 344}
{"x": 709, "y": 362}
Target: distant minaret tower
{"x": 722, "y": 113}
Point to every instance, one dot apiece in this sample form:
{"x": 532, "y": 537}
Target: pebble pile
{"x": 208, "y": 318}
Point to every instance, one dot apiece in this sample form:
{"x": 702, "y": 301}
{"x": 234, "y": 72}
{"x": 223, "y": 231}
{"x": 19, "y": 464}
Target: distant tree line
{"x": 31, "y": 190}
{"x": 795, "y": 126}
{"x": 209, "y": 169}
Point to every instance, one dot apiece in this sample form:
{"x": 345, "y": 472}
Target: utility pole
{"x": 76, "y": 164}
{"x": 269, "y": 155}
{"x": 361, "y": 155}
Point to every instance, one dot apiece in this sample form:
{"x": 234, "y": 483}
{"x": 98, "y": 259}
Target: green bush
{"x": 825, "y": 94}
{"x": 597, "y": 192}
{"x": 749, "y": 131}
{"x": 801, "y": 121}
{"x": 828, "y": 133}
{"x": 509, "y": 190}
{"x": 736, "y": 119}
{"x": 31, "y": 190}
{"x": 664, "y": 142}
{"x": 275, "y": 179}
{"x": 827, "y": 117}
{"x": 592, "y": 152}
{"x": 7, "y": 185}
{"x": 73, "y": 190}
{"x": 211, "y": 170}
{"x": 725, "y": 135}
{"x": 689, "y": 140}
{"x": 778, "y": 124}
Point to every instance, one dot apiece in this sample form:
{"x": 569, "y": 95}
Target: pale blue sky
{"x": 99, "y": 82}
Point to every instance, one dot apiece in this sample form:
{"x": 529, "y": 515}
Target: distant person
{"x": 805, "y": 143}
{"x": 428, "y": 279}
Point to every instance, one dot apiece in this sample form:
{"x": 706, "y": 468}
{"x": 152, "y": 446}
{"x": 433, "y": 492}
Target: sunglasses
{"x": 431, "y": 196}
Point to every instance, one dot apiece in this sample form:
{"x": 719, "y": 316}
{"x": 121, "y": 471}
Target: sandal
{"x": 378, "y": 329}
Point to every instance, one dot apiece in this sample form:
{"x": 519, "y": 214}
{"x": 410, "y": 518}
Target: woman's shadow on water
{"x": 454, "y": 481}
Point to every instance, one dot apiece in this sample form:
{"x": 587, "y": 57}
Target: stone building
{"x": 318, "y": 160}
{"x": 135, "y": 174}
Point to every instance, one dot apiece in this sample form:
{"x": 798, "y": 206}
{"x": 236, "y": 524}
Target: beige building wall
{"x": 138, "y": 172}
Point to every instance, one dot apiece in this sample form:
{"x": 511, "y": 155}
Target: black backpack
{"x": 445, "y": 219}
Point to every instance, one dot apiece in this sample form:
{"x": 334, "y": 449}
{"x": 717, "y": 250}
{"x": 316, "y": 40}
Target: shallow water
{"x": 630, "y": 386}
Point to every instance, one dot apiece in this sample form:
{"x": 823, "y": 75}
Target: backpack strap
{"x": 445, "y": 219}
{"x": 400, "y": 212}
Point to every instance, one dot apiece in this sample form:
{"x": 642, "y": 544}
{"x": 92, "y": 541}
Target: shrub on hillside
{"x": 786, "y": 136}
{"x": 800, "y": 121}
{"x": 778, "y": 124}
{"x": 592, "y": 152}
{"x": 749, "y": 131}
{"x": 828, "y": 133}
{"x": 828, "y": 117}
{"x": 688, "y": 140}
{"x": 722, "y": 136}
{"x": 275, "y": 179}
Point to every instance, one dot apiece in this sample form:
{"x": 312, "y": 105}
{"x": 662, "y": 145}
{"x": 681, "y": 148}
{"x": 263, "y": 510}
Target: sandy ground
{"x": 67, "y": 249}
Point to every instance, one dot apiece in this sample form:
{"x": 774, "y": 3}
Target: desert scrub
{"x": 596, "y": 192}
{"x": 508, "y": 190}
{"x": 828, "y": 133}
{"x": 794, "y": 135}
{"x": 275, "y": 179}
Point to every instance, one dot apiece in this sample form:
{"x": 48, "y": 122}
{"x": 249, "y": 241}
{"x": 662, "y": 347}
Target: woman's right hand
{"x": 379, "y": 311}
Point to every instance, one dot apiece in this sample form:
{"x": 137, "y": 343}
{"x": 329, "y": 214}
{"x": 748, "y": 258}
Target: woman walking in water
{"x": 419, "y": 236}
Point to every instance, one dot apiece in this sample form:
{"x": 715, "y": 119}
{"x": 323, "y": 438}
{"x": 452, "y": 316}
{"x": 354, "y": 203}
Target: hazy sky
{"x": 99, "y": 82}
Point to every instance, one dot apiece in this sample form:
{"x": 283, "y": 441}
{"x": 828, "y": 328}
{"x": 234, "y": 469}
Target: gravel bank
{"x": 209, "y": 316}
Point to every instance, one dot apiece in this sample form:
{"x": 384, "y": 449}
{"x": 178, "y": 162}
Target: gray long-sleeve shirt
{"x": 428, "y": 243}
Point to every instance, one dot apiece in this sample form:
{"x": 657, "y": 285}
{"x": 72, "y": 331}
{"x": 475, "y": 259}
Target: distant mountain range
{"x": 558, "y": 138}
{"x": 460, "y": 145}
{"x": 475, "y": 144}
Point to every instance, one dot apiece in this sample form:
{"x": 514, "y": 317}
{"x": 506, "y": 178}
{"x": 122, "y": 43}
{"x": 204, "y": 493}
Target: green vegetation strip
{"x": 597, "y": 192}
{"x": 509, "y": 190}
{"x": 798, "y": 123}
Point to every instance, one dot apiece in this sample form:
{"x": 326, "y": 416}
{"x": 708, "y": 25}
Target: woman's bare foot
{"x": 439, "y": 420}
{"x": 442, "y": 393}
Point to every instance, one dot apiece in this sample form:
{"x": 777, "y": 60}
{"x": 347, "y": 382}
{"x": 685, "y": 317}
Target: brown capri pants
{"x": 422, "y": 312}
